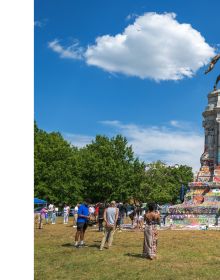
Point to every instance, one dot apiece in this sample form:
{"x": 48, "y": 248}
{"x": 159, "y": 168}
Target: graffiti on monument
{"x": 202, "y": 178}
{"x": 205, "y": 171}
{"x": 202, "y": 202}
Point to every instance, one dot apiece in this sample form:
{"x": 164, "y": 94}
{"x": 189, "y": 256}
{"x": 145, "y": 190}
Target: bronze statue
{"x": 211, "y": 66}
{"x": 217, "y": 80}
{"x": 212, "y": 63}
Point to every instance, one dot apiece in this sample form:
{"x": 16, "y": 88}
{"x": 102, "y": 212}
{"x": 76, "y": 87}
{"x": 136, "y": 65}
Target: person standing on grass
{"x": 82, "y": 223}
{"x": 92, "y": 210}
{"x": 56, "y": 210}
{"x": 141, "y": 222}
{"x": 46, "y": 218}
{"x": 75, "y": 214}
{"x": 122, "y": 214}
{"x": 43, "y": 214}
{"x": 97, "y": 211}
{"x": 132, "y": 215}
{"x": 50, "y": 211}
{"x": 110, "y": 218}
{"x": 137, "y": 217}
{"x": 118, "y": 222}
{"x": 66, "y": 212}
{"x": 101, "y": 216}
{"x": 152, "y": 219}
{"x": 123, "y": 211}
{"x": 54, "y": 216}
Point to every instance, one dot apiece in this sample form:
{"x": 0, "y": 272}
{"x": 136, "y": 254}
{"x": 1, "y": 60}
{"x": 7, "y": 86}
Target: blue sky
{"x": 129, "y": 67}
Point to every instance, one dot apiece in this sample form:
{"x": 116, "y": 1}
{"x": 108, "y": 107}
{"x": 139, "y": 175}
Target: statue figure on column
{"x": 211, "y": 66}
{"x": 217, "y": 80}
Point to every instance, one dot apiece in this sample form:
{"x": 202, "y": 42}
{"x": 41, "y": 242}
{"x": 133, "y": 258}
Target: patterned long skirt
{"x": 150, "y": 241}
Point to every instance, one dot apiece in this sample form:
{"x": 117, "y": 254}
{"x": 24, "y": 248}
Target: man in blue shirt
{"x": 82, "y": 223}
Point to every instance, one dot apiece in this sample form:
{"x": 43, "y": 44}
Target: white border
{"x": 16, "y": 141}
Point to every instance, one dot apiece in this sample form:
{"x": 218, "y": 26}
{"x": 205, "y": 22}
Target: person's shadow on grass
{"x": 67, "y": 245}
{"x": 134, "y": 255}
{"x": 94, "y": 246}
{"x": 70, "y": 245}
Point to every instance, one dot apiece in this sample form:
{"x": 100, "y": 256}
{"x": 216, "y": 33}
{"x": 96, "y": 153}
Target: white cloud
{"x": 40, "y": 23}
{"x": 151, "y": 143}
{"x": 78, "y": 140}
{"x": 181, "y": 124}
{"x": 175, "y": 123}
{"x": 131, "y": 16}
{"x": 162, "y": 143}
{"x": 73, "y": 51}
{"x": 155, "y": 46}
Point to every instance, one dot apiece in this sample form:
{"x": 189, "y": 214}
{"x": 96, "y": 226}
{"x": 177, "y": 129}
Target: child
{"x": 43, "y": 214}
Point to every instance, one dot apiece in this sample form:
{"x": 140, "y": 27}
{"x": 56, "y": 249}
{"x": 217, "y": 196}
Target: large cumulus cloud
{"x": 155, "y": 46}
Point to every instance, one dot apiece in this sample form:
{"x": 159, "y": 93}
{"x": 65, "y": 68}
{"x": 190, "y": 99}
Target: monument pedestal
{"x": 201, "y": 204}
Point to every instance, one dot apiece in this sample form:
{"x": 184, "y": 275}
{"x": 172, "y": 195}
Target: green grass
{"x": 187, "y": 255}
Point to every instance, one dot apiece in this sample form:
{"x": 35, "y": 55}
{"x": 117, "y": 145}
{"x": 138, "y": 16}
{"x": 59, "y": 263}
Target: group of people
{"x": 137, "y": 216}
{"x": 109, "y": 217}
{"x": 100, "y": 210}
{"x": 49, "y": 214}
{"x": 111, "y": 214}
{"x": 96, "y": 213}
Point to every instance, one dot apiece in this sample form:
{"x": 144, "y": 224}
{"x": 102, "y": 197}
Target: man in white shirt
{"x": 66, "y": 212}
{"x": 50, "y": 212}
{"x": 75, "y": 214}
{"x": 91, "y": 210}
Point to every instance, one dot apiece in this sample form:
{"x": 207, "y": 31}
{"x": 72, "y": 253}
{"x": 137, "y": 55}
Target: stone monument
{"x": 201, "y": 206}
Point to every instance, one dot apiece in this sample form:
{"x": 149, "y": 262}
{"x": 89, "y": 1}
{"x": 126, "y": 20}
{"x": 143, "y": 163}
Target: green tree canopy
{"x": 104, "y": 170}
{"x": 162, "y": 183}
{"x": 57, "y": 172}
{"x": 110, "y": 170}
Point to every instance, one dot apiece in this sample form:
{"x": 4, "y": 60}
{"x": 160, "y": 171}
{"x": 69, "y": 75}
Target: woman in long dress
{"x": 152, "y": 219}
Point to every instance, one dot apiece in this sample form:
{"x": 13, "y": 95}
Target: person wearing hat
{"x": 110, "y": 219}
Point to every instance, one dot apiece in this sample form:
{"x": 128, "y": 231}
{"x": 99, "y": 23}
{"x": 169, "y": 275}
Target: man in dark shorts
{"x": 101, "y": 215}
{"x": 82, "y": 223}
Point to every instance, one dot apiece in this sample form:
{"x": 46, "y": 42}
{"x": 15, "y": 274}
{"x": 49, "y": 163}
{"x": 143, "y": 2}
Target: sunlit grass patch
{"x": 187, "y": 255}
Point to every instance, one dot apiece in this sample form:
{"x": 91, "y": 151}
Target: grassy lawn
{"x": 181, "y": 255}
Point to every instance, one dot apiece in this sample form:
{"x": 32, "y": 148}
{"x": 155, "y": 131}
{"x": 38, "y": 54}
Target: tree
{"x": 162, "y": 183}
{"x": 110, "y": 169}
{"x": 57, "y": 173}
{"x": 104, "y": 170}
